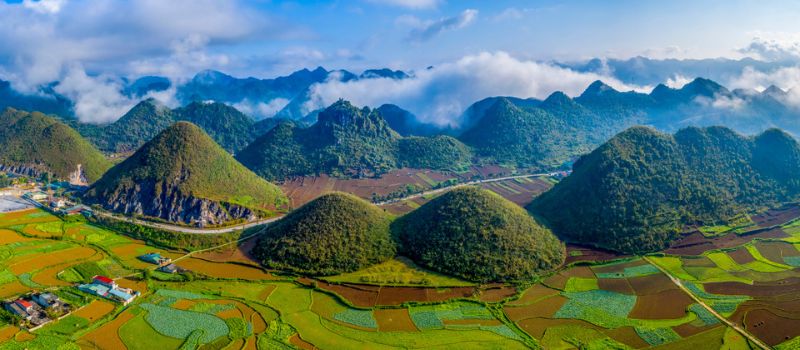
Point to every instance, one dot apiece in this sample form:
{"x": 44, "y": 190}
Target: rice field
{"x": 229, "y": 303}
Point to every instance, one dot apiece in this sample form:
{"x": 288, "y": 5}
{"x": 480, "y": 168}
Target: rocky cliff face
{"x": 24, "y": 170}
{"x": 169, "y": 203}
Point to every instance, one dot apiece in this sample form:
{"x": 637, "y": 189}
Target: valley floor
{"x": 227, "y": 301}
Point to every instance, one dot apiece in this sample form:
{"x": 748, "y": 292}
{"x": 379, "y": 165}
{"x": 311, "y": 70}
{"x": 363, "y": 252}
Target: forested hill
{"x": 183, "y": 176}
{"x": 225, "y": 124}
{"x": 347, "y": 141}
{"x": 33, "y": 143}
{"x": 638, "y": 190}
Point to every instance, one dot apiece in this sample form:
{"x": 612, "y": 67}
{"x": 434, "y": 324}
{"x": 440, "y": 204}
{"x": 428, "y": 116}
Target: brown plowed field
{"x": 669, "y": 304}
{"x": 777, "y": 216}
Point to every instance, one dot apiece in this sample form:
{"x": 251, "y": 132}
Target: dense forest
{"x": 479, "y": 236}
{"x": 332, "y": 234}
{"x": 347, "y": 141}
{"x": 226, "y": 125}
{"x": 638, "y": 190}
{"x": 45, "y": 145}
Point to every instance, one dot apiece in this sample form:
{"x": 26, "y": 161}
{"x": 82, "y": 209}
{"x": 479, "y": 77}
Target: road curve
{"x": 213, "y": 231}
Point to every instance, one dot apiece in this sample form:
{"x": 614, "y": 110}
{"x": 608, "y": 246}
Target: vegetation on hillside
{"x": 225, "y": 124}
{"x": 637, "y": 191}
{"x": 524, "y": 137}
{"x": 47, "y": 145}
{"x": 437, "y": 152}
{"x": 346, "y": 141}
{"x": 332, "y": 234}
{"x": 478, "y": 235}
{"x": 183, "y": 162}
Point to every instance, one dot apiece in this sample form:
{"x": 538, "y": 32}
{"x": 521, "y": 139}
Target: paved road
{"x": 443, "y": 189}
{"x": 184, "y": 229}
{"x": 209, "y": 231}
{"x": 680, "y": 285}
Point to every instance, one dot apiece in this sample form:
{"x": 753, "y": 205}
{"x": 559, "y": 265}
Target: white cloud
{"x": 261, "y": 110}
{"x": 425, "y": 30}
{"x": 411, "y": 4}
{"x": 677, "y": 81}
{"x": 441, "y": 94}
{"x": 44, "y": 6}
{"x": 721, "y": 102}
{"x": 775, "y": 47}
{"x": 97, "y": 99}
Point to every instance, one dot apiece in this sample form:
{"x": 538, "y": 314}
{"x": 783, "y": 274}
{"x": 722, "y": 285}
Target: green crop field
{"x": 282, "y": 312}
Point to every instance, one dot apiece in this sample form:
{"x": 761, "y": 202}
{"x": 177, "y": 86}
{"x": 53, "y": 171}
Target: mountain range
{"x": 347, "y": 141}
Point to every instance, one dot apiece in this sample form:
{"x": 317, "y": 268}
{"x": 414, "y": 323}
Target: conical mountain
{"x": 478, "y": 235}
{"x": 637, "y": 191}
{"x": 183, "y": 176}
{"x": 32, "y": 144}
{"x": 143, "y": 122}
{"x": 529, "y": 137}
{"x": 332, "y": 234}
{"x": 229, "y": 127}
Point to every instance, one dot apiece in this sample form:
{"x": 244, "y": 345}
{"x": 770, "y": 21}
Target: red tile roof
{"x": 103, "y": 279}
{"x": 23, "y": 303}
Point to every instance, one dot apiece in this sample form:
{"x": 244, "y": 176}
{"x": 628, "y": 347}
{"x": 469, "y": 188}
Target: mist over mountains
{"x": 446, "y": 99}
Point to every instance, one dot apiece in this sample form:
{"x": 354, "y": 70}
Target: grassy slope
{"x": 33, "y": 138}
{"x": 186, "y": 157}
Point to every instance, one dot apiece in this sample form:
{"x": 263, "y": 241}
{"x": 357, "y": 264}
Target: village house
{"x": 35, "y": 196}
{"x": 155, "y": 258}
{"x": 105, "y": 287}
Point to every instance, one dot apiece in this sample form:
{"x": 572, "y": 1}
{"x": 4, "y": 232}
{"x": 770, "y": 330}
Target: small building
{"x": 94, "y": 289}
{"x": 46, "y": 300}
{"x": 169, "y": 268}
{"x": 57, "y": 203}
{"x": 14, "y": 308}
{"x": 155, "y": 258}
{"x": 36, "y": 196}
{"x": 120, "y": 296}
{"x": 104, "y": 281}
{"x": 24, "y": 305}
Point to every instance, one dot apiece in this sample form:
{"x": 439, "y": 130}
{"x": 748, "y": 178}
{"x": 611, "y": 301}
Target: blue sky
{"x": 276, "y": 37}
{"x": 477, "y": 48}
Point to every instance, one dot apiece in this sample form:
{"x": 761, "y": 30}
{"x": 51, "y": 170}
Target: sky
{"x": 90, "y": 45}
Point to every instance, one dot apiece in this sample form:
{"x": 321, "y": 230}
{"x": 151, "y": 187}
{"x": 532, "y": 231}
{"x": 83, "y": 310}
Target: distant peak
{"x": 598, "y": 88}
{"x": 774, "y": 91}
{"x": 557, "y": 97}
{"x": 703, "y": 86}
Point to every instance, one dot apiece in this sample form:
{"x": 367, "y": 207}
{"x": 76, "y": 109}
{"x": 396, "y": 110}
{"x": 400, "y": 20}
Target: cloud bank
{"x": 79, "y": 43}
{"x": 441, "y": 94}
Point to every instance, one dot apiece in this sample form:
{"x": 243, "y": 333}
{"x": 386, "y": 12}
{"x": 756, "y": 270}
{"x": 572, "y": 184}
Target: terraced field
{"x": 599, "y": 300}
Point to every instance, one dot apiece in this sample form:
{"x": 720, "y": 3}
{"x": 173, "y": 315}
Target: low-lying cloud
{"x": 440, "y": 95}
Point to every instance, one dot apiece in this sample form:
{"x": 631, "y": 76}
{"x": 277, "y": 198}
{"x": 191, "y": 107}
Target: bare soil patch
{"x": 651, "y": 284}
{"x": 394, "y": 320}
{"x": 669, "y": 304}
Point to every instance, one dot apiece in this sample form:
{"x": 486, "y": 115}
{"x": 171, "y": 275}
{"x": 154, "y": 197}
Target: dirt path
{"x": 724, "y": 320}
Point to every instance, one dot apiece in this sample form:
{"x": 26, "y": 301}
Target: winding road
{"x": 211, "y": 231}
{"x": 724, "y": 320}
